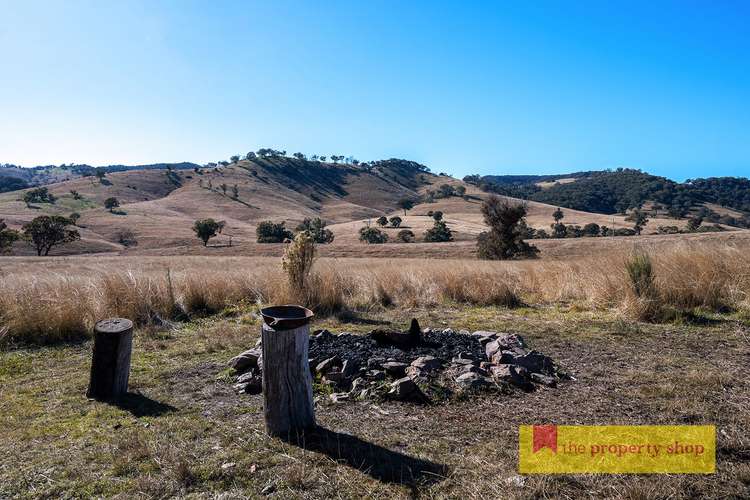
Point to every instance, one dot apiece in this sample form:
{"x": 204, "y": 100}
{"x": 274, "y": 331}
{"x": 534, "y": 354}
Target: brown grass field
{"x": 182, "y": 423}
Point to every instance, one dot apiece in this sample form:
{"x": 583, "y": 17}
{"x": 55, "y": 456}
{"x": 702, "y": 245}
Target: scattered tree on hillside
{"x": 299, "y": 156}
{"x": 7, "y": 237}
{"x": 270, "y": 232}
{"x": 323, "y": 158}
{"x": 382, "y": 221}
{"x": 76, "y": 194}
{"x": 223, "y": 188}
{"x": 591, "y": 229}
{"x": 372, "y": 235}
{"x": 100, "y": 173}
{"x": 694, "y": 223}
{"x": 38, "y": 195}
{"x": 234, "y": 158}
{"x": 47, "y": 231}
{"x": 437, "y": 215}
{"x": 405, "y": 204}
{"x": 405, "y": 236}
{"x": 250, "y": 156}
{"x": 558, "y": 215}
{"x": 205, "y": 229}
{"x": 639, "y": 220}
{"x": 316, "y": 228}
{"x": 504, "y": 239}
{"x": 460, "y": 190}
{"x": 439, "y": 232}
{"x": 111, "y": 203}
{"x": 74, "y": 218}
{"x": 395, "y": 221}
{"x": 126, "y": 237}
{"x": 235, "y": 192}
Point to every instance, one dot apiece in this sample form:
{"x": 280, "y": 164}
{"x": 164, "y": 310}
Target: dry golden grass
{"x": 73, "y": 293}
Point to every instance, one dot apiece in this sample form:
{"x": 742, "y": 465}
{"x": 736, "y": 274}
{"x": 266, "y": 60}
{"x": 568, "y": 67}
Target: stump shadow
{"x": 141, "y": 406}
{"x": 376, "y": 461}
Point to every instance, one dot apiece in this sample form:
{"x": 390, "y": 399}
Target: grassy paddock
{"x": 48, "y": 300}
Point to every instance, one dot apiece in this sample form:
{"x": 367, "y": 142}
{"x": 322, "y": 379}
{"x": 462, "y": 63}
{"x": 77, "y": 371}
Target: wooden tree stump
{"x": 287, "y": 382}
{"x": 110, "y": 365}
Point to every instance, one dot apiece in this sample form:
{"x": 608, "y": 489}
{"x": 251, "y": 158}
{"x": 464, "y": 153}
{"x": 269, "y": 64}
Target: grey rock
{"x": 327, "y": 365}
{"x": 405, "y": 389}
{"x": 339, "y": 397}
{"x": 349, "y": 368}
{"x": 375, "y": 363}
{"x": 512, "y": 374}
{"x": 246, "y": 360}
{"x": 246, "y": 377}
{"x": 472, "y": 380}
{"x": 427, "y": 363}
{"x": 544, "y": 379}
{"x": 533, "y": 361}
{"x": 358, "y": 385}
{"x": 375, "y": 375}
{"x": 395, "y": 368}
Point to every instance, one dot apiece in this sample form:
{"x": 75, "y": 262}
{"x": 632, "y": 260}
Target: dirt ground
{"x": 183, "y": 432}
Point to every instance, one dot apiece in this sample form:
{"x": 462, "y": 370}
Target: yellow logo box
{"x": 617, "y": 449}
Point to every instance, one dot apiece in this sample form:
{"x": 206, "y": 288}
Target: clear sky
{"x": 496, "y": 87}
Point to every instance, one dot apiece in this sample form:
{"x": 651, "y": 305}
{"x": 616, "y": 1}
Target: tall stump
{"x": 110, "y": 366}
{"x": 287, "y": 382}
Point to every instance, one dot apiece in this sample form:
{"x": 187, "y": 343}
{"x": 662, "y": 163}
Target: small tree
{"x": 439, "y": 232}
{"x": 74, "y": 218}
{"x": 405, "y": 236}
{"x": 234, "y": 158}
{"x": 250, "y": 156}
{"x": 504, "y": 239}
{"x": 235, "y": 192}
{"x": 405, "y": 204}
{"x": 47, "y": 231}
{"x": 558, "y": 215}
{"x": 100, "y": 173}
{"x": 591, "y": 229}
{"x": 299, "y": 156}
{"x": 111, "y": 203}
{"x": 437, "y": 215}
{"x": 270, "y": 232}
{"x": 205, "y": 229}
{"x": 372, "y": 235}
{"x": 224, "y": 188}
{"x": 76, "y": 194}
{"x": 395, "y": 221}
{"x": 639, "y": 220}
{"x": 460, "y": 190}
{"x": 694, "y": 223}
{"x": 7, "y": 237}
{"x": 559, "y": 230}
{"x": 316, "y": 228}
{"x": 38, "y": 195}
{"x": 126, "y": 237}
{"x": 382, "y": 221}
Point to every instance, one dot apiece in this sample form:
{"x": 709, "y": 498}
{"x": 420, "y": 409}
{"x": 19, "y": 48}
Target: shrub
{"x": 382, "y": 221}
{"x": 640, "y": 273}
{"x": 270, "y": 232}
{"x": 7, "y": 237}
{"x": 76, "y": 195}
{"x": 639, "y": 220}
{"x": 297, "y": 263}
{"x": 504, "y": 240}
{"x": 317, "y": 229}
{"x": 591, "y": 229}
{"x": 395, "y": 221}
{"x": 405, "y": 204}
{"x": 437, "y": 215}
{"x": 74, "y": 217}
{"x": 126, "y": 237}
{"x": 111, "y": 203}
{"x": 205, "y": 229}
{"x": 38, "y": 195}
{"x": 405, "y": 236}
{"x": 372, "y": 235}
{"x": 439, "y": 232}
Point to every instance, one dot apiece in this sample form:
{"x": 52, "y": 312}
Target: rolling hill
{"x": 158, "y": 207}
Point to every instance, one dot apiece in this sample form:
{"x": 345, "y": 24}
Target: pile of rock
{"x": 387, "y": 364}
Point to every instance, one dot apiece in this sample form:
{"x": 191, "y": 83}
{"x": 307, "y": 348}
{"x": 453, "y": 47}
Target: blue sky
{"x": 463, "y": 87}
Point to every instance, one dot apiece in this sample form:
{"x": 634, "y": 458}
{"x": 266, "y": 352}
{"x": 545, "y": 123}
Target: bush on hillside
{"x": 317, "y": 229}
{"x": 270, "y": 232}
{"x": 405, "y": 236}
{"x": 504, "y": 240}
{"x": 439, "y": 232}
{"x": 372, "y": 235}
